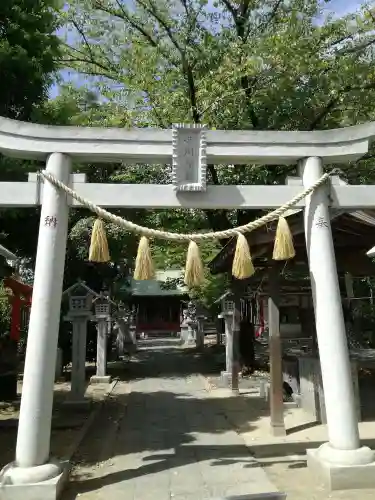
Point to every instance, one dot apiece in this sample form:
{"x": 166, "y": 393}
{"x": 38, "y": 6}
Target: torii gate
{"x": 189, "y": 149}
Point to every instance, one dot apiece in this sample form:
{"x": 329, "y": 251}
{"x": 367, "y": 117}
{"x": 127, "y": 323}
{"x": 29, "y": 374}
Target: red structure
{"x": 20, "y": 300}
{"x": 158, "y": 315}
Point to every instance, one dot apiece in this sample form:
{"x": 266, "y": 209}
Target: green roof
{"x": 147, "y": 288}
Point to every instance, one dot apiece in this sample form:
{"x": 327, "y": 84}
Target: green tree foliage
{"x": 244, "y": 64}
{"x": 259, "y": 64}
{"x": 28, "y": 49}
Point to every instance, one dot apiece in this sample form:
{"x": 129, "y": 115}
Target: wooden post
{"x": 236, "y": 341}
{"x": 275, "y": 352}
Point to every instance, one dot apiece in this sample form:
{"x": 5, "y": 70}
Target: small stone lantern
{"x": 79, "y": 313}
{"x": 227, "y": 305}
{"x": 80, "y": 305}
{"x": 227, "y": 314}
{"x": 102, "y": 305}
{"x": 102, "y": 308}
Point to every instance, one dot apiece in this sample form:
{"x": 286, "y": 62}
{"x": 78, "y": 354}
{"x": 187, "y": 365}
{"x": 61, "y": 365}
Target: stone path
{"x": 166, "y": 439}
{"x": 284, "y": 459}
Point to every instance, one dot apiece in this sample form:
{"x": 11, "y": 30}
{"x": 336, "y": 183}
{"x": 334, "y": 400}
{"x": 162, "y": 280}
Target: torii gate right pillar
{"x": 342, "y": 461}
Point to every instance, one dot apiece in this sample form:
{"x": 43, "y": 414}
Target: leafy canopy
{"x": 232, "y": 64}
{"x": 28, "y": 49}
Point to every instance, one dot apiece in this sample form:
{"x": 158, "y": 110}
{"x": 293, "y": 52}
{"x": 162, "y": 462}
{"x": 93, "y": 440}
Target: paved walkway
{"x": 166, "y": 439}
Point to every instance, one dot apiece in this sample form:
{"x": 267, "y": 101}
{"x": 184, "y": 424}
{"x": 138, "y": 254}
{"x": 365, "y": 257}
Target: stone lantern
{"x": 228, "y": 305}
{"x": 102, "y": 306}
{"x": 227, "y": 314}
{"x": 79, "y": 313}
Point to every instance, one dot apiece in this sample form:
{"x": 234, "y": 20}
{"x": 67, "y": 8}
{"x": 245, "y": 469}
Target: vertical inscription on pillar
{"x": 189, "y": 157}
{"x": 50, "y": 221}
{"x": 321, "y": 222}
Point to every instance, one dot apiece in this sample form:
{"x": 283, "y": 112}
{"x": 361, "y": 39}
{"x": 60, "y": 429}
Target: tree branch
{"x": 356, "y": 48}
{"x": 334, "y": 100}
{"x": 231, "y": 8}
{"x": 109, "y": 75}
{"x": 263, "y": 27}
{"x": 83, "y": 36}
{"x": 239, "y": 19}
{"x": 124, "y": 15}
{"x": 185, "y": 6}
{"x": 151, "y": 10}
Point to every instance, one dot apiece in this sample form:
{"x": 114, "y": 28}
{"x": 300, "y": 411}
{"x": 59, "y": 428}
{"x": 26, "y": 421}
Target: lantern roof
{"x": 80, "y": 288}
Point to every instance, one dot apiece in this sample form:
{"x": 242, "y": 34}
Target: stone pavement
{"x": 284, "y": 458}
{"x": 165, "y": 439}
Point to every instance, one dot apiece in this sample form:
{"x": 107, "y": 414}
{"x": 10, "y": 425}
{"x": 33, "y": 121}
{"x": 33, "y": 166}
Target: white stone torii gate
{"x": 189, "y": 149}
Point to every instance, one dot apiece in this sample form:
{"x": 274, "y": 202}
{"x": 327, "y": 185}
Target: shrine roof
{"x": 353, "y": 235}
{"x": 167, "y": 283}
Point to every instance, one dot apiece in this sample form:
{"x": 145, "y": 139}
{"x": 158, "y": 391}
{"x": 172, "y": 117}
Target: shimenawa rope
{"x": 165, "y": 235}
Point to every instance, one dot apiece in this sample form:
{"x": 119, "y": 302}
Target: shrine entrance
{"x": 189, "y": 149}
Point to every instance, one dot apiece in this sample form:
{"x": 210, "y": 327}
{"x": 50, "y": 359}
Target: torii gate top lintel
{"x": 33, "y": 141}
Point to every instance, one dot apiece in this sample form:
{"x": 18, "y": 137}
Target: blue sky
{"x": 338, "y": 7}
{"x": 341, "y": 7}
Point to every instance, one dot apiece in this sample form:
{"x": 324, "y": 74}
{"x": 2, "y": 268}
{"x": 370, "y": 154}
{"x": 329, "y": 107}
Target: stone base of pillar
{"x": 33, "y": 483}
{"x": 343, "y": 469}
{"x": 278, "y": 430}
{"x": 97, "y": 379}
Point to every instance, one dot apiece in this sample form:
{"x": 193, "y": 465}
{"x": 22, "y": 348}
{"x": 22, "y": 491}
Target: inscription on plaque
{"x": 189, "y": 157}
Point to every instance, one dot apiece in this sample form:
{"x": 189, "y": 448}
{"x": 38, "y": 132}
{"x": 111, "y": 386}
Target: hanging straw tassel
{"x": 144, "y": 267}
{"x": 99, "y": 245}
{"x": 194, "y": 272}
{"x": 283, "y": 248}
{"x": 242, "y": 266}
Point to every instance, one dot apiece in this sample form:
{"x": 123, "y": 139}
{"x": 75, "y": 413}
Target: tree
{"x": 28, "y": 50}
{"x": 260, "y": 64}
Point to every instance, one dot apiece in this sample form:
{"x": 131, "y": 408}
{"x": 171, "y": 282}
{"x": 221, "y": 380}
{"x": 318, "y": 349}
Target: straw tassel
{"x": 283, "y": 248}
{"x": 99, "y": 245}
{"x": 194, "y": 272}
{"x": 144, "y": 267}
{"x": 242, "y": 266}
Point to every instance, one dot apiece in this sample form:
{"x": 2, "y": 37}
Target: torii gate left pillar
{"x": 32, "y": 466}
